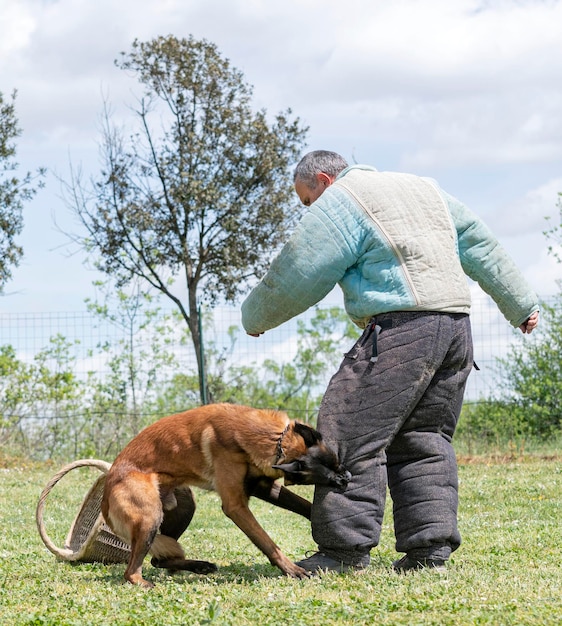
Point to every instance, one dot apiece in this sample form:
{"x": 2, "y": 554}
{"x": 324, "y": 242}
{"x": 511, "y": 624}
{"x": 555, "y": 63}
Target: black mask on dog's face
{"x": 319, "y": 466}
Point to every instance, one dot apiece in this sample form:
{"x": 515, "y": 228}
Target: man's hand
{"x": 530, "y": 324}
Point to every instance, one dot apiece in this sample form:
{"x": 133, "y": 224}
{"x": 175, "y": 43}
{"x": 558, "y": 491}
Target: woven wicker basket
{"x": 89, "y": 539}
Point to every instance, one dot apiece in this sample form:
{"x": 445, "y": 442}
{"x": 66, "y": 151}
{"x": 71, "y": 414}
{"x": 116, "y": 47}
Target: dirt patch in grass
{"x": 502, "y": 458}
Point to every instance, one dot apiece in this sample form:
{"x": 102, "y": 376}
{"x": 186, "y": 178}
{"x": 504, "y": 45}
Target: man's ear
{"x": 324, "y": 179}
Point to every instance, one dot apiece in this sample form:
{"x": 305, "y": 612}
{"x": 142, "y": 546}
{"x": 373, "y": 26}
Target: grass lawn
{"x": 507, "y": 571}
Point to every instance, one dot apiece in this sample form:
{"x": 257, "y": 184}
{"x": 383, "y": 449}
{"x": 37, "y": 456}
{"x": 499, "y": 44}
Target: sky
{"x": 468, "y": 92}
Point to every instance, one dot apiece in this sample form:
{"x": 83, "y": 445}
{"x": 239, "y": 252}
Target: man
{"x": 399, "y": 247}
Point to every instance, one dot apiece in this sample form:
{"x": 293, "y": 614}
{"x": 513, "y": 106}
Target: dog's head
{"x": 317, "y": 465}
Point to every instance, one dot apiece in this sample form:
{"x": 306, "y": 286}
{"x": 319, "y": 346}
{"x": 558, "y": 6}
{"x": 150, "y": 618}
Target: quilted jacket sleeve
{"x": 308, "y": 267}
{"x": 486, "y": 262}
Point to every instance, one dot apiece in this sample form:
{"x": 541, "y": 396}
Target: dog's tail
{"x": 164, "y": 548}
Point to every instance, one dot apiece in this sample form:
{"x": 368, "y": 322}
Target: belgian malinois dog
{"x": 234, "y": 450}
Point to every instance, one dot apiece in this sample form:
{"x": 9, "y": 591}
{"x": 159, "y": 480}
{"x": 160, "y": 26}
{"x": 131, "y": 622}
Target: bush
{"x": 488, "y": 424}
{"x": 530, "y": 403}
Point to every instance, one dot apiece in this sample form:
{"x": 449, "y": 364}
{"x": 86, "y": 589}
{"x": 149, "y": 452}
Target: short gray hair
{"x": 318, "y": 161}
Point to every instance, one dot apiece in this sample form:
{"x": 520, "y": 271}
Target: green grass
{"x": 508, "y": 570}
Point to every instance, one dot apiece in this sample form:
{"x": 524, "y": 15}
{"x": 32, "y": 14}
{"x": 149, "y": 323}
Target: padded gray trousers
{"x": 392, "y": 417}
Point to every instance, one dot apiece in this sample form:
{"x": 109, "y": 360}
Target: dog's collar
{"x": 279, "y": 448}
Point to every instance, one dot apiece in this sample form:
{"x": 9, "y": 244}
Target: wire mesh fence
{"x": 85, "y": 334}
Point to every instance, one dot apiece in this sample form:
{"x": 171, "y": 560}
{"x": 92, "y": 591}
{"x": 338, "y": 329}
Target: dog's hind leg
{"x": 274, "y": 493}
{"x": 140, "y": 545}
{"x": 178, "y": 518}
{"x": 133, "y": 510}
{"x": 167, "y": 552}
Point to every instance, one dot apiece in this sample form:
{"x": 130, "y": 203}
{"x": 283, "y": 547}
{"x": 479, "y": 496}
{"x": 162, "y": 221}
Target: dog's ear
{"x": 310, "y": 435}
{"x": 291, "y": 472}
{"x": 289, "y": 468}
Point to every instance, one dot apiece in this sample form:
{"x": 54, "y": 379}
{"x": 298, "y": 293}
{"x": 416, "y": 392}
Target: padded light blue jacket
{"x": 393, "y": 242}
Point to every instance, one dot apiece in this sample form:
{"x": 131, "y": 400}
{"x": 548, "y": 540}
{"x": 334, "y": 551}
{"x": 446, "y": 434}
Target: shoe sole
{"x": 336, "y": 570}
{"x": 438, "y": 569}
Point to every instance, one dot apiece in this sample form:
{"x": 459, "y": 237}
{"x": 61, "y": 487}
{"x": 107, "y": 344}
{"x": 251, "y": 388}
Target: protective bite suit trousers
{"x": 391, "y": 411}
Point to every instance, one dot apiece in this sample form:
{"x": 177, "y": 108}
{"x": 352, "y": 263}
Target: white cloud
{"x": 16, "y": 27}
{"x": 544, "y": 273}
{"x": 529, "y": 213}
{"x": 466, "y": 82}
{"x": 469, "y": 90}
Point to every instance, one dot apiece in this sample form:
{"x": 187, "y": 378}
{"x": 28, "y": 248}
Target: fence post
{"x": 203, "y": 381}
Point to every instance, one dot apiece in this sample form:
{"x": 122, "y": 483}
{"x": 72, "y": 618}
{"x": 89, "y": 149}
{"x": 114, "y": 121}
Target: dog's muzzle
{"x": 342, "y": 479}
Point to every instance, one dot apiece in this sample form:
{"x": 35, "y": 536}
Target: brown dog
{"x": 236, "y": 451}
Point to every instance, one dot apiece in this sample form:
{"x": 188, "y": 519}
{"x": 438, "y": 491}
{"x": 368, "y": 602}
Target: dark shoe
{"x": 320, "y": 562}
{"x": 409, "y": 564}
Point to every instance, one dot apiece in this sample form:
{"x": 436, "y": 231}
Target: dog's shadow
{"x": 226, "y": 574}
{"x": 238, "y": 572}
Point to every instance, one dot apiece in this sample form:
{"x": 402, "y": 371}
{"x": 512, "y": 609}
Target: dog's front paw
{"x": 297, "y": 572}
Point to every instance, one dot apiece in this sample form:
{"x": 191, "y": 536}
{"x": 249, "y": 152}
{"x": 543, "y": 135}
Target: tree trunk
{"x": 194, "y": 323}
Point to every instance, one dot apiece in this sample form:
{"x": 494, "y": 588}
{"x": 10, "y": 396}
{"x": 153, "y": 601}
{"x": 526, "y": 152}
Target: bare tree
{"x": 196, "y": 199}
